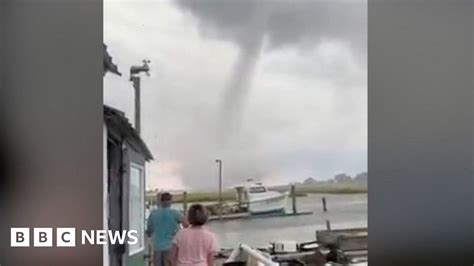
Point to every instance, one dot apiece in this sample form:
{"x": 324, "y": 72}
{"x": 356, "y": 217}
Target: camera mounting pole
{"x": 135, "y": 79}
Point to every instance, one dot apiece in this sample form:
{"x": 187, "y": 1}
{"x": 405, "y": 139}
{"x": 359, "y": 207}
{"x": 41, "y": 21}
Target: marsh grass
{"x": 301, "y": 191}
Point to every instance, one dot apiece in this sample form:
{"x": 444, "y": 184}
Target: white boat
{"x": 260, "y": 200}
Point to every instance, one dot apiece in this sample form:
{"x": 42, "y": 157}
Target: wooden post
{"x": 324, "y": 205}
{"x": 293, "y": 198}
{"x": 185, "y": 202}
{"x": 219, "y": 161}
{"x": 239, "y": 197}
{"x": 328, "y": 225}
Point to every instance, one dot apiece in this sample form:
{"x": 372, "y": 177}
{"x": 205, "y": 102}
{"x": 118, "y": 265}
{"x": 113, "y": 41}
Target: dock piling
{"x": 219, "y": 161}
{"x": 239, "y": 197}
{"x": 328, "y": 225}
{"x": 185, "y": 202}
{"x": 293, "y": 198}
{"x": 324, "y": 205}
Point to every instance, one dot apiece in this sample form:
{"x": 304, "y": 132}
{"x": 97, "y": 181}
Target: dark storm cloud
{"x": 284, "y": 22}
{"x": 281, "y": 23}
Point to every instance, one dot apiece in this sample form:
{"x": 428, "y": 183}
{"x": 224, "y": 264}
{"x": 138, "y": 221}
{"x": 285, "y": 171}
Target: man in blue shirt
{"x": 162, "y": 225}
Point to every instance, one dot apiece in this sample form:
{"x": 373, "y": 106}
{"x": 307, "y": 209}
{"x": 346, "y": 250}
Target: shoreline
{"x": 301, "y": 191}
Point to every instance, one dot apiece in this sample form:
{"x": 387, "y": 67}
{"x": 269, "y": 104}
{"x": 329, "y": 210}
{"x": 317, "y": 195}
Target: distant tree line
{"x": 339, "y": 178}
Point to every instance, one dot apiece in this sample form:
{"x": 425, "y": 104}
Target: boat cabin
{"x": 247, "y": 189}
{"x": 256, "y": 189}
{"x": 255, "y": 198}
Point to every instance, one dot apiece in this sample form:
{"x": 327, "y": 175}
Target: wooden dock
{"x": 351, "y": 241}
{"x": 354, "y": 239}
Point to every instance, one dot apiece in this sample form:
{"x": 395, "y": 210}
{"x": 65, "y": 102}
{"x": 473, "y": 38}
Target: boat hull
{"x": 269, "y": 205}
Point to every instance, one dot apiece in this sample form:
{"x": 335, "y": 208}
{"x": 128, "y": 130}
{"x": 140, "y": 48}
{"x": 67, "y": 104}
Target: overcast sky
{"x": 276, "y": 89}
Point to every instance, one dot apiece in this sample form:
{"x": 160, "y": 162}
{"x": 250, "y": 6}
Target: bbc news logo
{"x": 66, "y": 237}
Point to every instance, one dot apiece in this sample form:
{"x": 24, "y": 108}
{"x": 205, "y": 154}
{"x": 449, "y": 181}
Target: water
{"x": 344, "y": 211}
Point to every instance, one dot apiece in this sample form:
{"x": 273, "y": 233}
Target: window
{"x": 137, "y": 206}
{"x": 254, "y": 190}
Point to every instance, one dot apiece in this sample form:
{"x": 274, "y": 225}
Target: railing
{"x": 246, "y": 253}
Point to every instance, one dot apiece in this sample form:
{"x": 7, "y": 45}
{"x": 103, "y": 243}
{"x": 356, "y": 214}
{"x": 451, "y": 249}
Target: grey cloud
{"x": 282, "y": 22}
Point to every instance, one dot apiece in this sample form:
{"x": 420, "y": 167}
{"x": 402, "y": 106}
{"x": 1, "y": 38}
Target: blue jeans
{"x": 161, "y": 258}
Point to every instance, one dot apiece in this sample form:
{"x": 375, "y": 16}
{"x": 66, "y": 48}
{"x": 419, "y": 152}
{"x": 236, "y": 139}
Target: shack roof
{"x": 119, "y": 126}
{"x": 109, "y": 66}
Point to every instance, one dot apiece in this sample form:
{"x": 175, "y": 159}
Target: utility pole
{"x": 136, "y": 86}
{"x": 219, "y": 162}
{"x": 135, "y": 79}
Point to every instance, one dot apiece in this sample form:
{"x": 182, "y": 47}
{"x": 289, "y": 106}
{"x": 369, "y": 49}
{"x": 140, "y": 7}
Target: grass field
{"x": 328, "y": 188}
{"x": 301, "y": 191}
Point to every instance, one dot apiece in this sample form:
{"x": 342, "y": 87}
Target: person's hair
{"x": 197, "y": 215}
{"x": 165, "y": 199}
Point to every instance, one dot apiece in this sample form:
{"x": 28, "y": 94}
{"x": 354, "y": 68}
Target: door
{"x": 115, "y": 199}
{"x": 125, "y": 189}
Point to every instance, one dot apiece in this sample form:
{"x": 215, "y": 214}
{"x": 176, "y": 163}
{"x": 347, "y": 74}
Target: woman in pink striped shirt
{"x": 194, "y": 245}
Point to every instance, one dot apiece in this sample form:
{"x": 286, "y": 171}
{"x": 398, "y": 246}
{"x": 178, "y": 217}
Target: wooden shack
{"x": 125, "y": 156}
